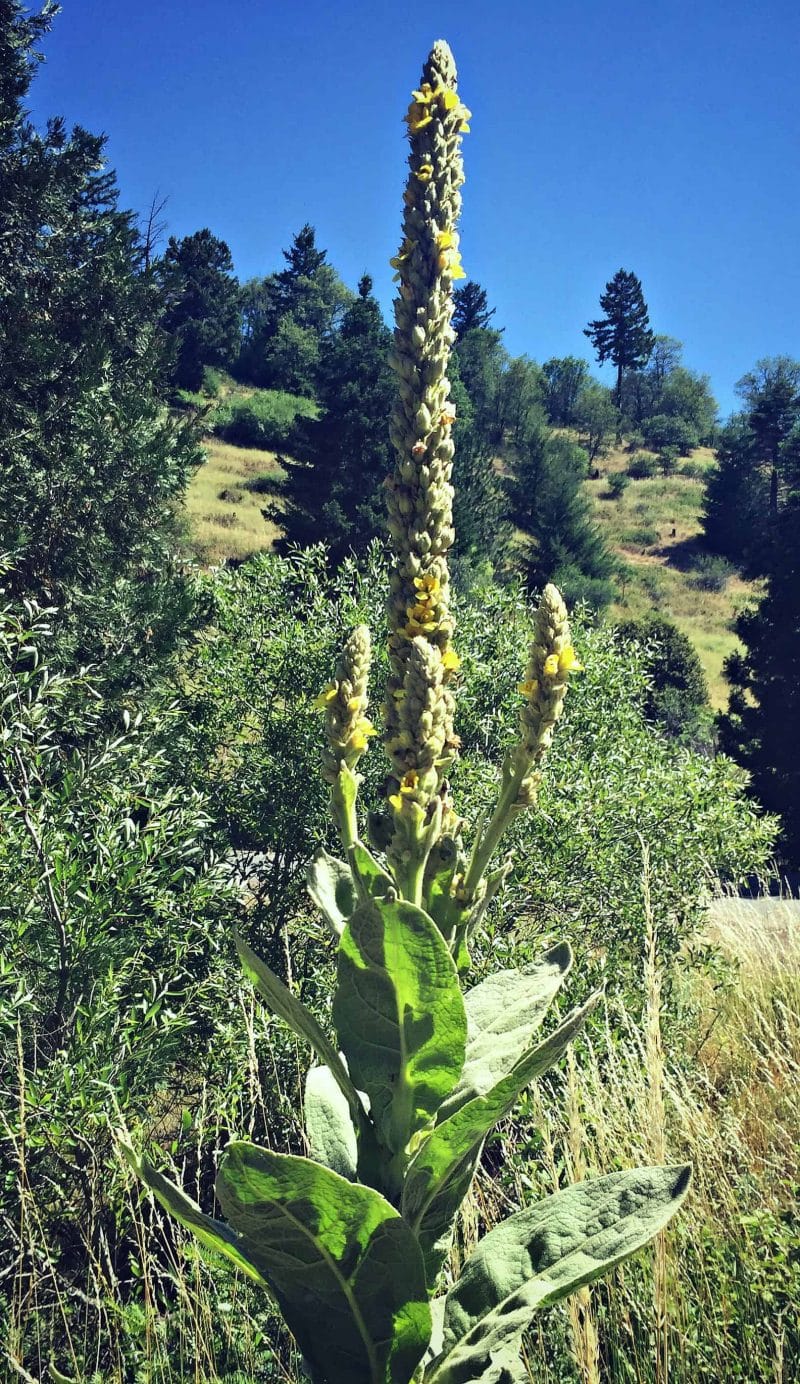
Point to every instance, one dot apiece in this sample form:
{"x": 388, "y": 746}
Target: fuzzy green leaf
{"x": 330, "y": 885}
{"x": 214, "y": 1235}
{"x": 503, "y": 1013}
{"x": 331, "y": 1136}
{"x": 344, "y": 1267}
{"x": 400, "y": 1015}
{"x": 293, "y": 1012}
{"x": 546, "y": 1252}
{"x": 371, "y": 879}
{"x": 439, "y": 1175}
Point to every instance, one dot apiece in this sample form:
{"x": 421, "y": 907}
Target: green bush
{"x": 265, "y": 419}
{"x": 642, "y": 466}
{"x": 666, "y": 430}
{"x": 642, "y": 536}
{"x": 618, "y": 483}
{"x": 677, "y": 694}
{"x": 711, "y": 572}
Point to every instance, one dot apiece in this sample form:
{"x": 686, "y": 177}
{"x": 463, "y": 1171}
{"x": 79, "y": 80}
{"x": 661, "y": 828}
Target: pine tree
{"x": 772, "y": 394}
{"x": 477, "y": 502}
{"x": 547, "y": 505}
{"x": 471, "y": 308}
{"x": 736, "y": 503}
{"x": 623, "y": 335}
{"x": 201, "y": 299}
{"x": 333, "y": 488}
{"x": 91, "y": 461}
{"x": 760, "y": 727}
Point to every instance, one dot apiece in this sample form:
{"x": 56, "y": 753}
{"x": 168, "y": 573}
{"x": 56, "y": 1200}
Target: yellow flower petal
{"x": 451, "y": 660}
{"x": 425, "y": 172}
{"x": 568, "y": 661}
{"x": 326, "y": 695}
{"x": 528, "y": 689}
{"x": 448, "y": 98}
{"x": 551, "y": 666}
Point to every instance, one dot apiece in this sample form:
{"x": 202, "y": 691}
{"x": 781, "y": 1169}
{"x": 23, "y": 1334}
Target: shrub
{"x": 668, "y": 460}
{"x": 677, "y": 695}
{"x": 665, "y": 430}
{"x": 643, "y": 536}
{"x": 618, "y": 483}
{"x": 265, "y": 419}
{"x": 711, "y": 572}
{"x": 642, "y": 466}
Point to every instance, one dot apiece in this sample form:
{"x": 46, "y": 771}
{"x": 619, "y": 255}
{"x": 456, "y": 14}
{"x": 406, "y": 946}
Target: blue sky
{"x": 662, "y": 138}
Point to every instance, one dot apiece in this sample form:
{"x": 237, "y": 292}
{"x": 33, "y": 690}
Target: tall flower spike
{"x": 420, "y": 495}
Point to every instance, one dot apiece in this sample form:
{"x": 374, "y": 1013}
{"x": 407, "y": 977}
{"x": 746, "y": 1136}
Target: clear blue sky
{"x": 659, "y": 137}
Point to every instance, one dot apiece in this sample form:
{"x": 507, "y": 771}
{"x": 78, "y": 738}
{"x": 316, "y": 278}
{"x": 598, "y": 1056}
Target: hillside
{"x": 655, "y": 527}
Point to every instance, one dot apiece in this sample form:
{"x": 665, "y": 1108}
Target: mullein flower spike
{"x": 420, "y": 496}
{"x": 344, "y": 702}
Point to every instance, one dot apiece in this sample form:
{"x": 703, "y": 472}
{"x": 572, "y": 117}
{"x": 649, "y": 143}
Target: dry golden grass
{"x": 233, "y": 527}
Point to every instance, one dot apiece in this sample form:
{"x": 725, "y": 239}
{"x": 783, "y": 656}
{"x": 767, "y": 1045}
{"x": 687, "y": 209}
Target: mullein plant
{"x": 352, "y": 1242}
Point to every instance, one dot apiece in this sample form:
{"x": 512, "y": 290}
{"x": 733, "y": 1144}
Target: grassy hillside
{"x": 225, "y": 499}
{"x": 655, "y": 526}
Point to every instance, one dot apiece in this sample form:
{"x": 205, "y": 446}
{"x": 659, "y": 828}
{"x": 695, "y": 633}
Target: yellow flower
{"x": 408, "y": 785}
{"x": 424, "y": 95}
{"x": 448, "y": 98}
{"x": 451, "y": 661}
{"x": 430, "y": 582}
{"x": 450, "y": 263}
{"x": 361, "y": 734}
{"x": 528, "y": 689}
{"x": 418, "y": 117}
{"x": 568, "y": 661}
{"x": 551, "y": 666}
{"x": 446, "y": 240}
{"x": 425, "y": 172}
{"x": 326, "y": 695}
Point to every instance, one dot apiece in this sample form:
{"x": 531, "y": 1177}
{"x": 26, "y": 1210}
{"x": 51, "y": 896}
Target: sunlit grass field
{"x": 223, "y": 511}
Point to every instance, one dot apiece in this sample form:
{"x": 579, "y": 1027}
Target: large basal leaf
{"x": 541, "y": 1255}
{"x": 344, "y": 1267}
{"x": 283, "y": 1003}
{"x": 330, "y": 884}
{"x": 400, "y": 1015}
{"x": 331, "y": 1136}
{"x": 438, "y": 1176}
{"x": 503, "y": 1013}
{"x": 214, "y": 1235}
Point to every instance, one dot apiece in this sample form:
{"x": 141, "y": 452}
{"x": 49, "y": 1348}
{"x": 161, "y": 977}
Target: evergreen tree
{"x": 201, "y": 299}
{"x": 760, "y": 727}
{"x": 771, "y": 392}
{"x": 623, "y": 334}
{"x": 333, "y": 488}
{"x": 477, "y": 502}
{"x": 546, "y": 504}
{"x": 309, "y": 299}
{"x": 91, "y": 461}
{"x": 735, "y": 506}
{"x": 482, "y": 361}
{"x": 470, "y": 308}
